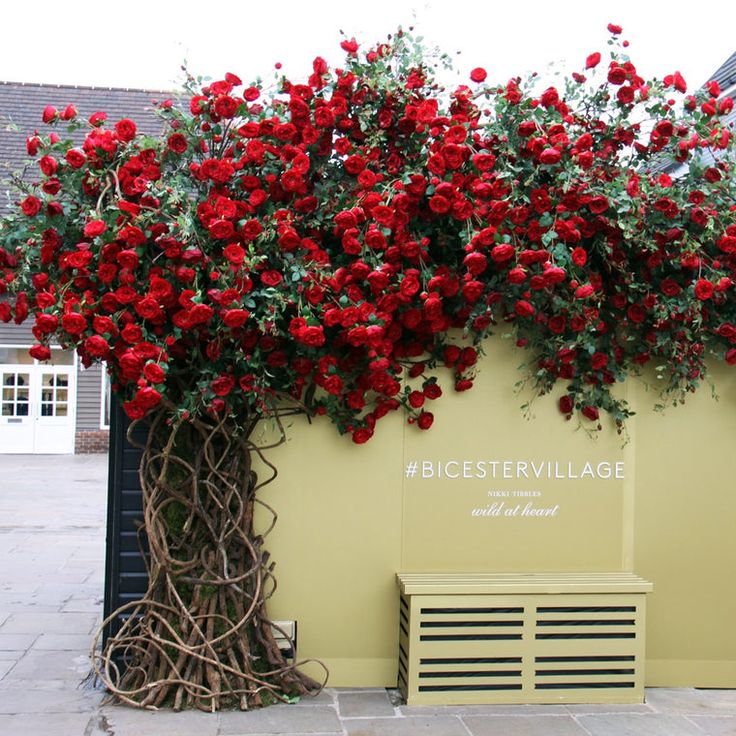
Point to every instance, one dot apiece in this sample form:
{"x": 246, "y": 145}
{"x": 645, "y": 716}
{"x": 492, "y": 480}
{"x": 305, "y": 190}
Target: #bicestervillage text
{"x": 517, "y": 469}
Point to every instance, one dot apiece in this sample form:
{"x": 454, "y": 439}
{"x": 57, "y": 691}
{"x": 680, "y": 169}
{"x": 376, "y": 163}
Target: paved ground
{"x": 51, "y": 572}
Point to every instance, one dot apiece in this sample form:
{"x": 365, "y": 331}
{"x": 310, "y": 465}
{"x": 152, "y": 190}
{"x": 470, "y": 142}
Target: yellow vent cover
{"x": 516, "y": 638}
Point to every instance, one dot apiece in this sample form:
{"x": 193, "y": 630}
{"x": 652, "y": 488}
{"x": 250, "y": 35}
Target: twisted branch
{"x": 201, "y": 637}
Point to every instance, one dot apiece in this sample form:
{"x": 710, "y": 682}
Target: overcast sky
{"x": 142, "y": 43}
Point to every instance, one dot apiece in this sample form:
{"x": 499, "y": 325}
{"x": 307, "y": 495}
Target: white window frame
{"x": 26, "y": 347}
{"x": 105, "y": 395}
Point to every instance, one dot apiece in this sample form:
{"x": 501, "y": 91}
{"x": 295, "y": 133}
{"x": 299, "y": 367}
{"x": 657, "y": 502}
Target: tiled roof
{"x": 21, "y": 106}
{"x": 725, "y": 75}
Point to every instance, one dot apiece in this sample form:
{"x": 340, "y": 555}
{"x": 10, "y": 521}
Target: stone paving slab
{"x": 408, "y": 726}
{"x": 27, "y": 701}
{"x": 561, "y": 725}
{"x": 715, "y": 725}
{"x": 63, "y": 643}
{"x": 279, "y": 718}
{"x": 48, "y": 623}
{"x": 35, "y": 665}
{"x": 367, "y": 704}
{"x": 693, "y": 702}
{"x": 56, "y": 724}
{"x": 646, "y": 724}
{"x": 123, "y": 721}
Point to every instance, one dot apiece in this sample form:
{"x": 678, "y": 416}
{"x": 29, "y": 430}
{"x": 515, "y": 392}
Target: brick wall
{"x": 86, "y": 442}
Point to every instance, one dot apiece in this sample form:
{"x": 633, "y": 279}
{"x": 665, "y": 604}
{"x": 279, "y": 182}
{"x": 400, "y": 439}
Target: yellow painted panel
{"x": 532, "y": 510}
{"x": 685, "y": 542}
{"x": 337, "y": 546}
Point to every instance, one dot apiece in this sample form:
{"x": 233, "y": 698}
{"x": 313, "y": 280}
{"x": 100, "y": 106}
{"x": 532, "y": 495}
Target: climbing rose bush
{"x": 324, "y": 240}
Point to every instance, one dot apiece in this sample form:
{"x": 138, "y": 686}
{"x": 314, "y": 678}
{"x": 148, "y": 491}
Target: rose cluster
{"x": 334, "y": 242}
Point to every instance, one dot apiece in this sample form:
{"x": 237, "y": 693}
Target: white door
{"x": 37, "y": 404}
{"x": 16, "y": 419}
{"x": 54, "y": 427}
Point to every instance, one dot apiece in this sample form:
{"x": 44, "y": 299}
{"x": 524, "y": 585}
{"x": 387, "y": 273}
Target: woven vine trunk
{"x": 201, "y": 636}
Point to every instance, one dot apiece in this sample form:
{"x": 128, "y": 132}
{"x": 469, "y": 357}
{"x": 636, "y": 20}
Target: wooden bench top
{"x": 498, "y": 583}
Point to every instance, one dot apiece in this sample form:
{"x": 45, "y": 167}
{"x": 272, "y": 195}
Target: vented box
{"x": 541, "y": 638}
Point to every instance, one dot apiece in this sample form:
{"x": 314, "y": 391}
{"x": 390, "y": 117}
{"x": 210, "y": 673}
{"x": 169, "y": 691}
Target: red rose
{"x": 132, "y": 235}
{"x": 147, "y": 398}
{"x": 30, "y": 206}
{"x": 333, "y": 384}
{"x": 350, "y": 46}
{"x": 475, "y": 262}
{"x": 584, "y": 291}
{"x": 566, "y": 404}
{"x": 133, "y": 410}
{"x": 130, "y": 365}
{"x": 132, "y": 333}
{"x": 579, "y": 257}
{"x": 731, "y": 356}
{"x": 201, "y": 314}
{"x": 221, "y": 229}
{"x": 49, "y": 114}
{"x": 40, "y": 352}
{"x": 125, "y": 129}
{"x": 148, "y": 307}
{"x": 598, "y": 205}
{"x": 557, "y": 324}
{"x": 612, "y": 28}
{"x": 154, "y": 373}
{"x": 703, "y": 289}
{"x": 524, "y": 308}
{"x": 472, "y": 291}
{"x": 409, "y": 285}
{"x": 550, "y": 156}
{"x": 362, "y": 435}
{"x": 416, "y": 399}
{"x": 97, "y": 346}
{"x": 127, "y": 259}
{"x": 271, "y": 278}
{"x": 432, "y": 391}
{"x": 598, "y": 361}
{"x": 177, "y": 143}
{"x": 48, "y": 165}
{"x": 235, "y": 317}
{"x": 46, "y": 323}
{"x": 503, "y": 252}
{"x": 74, "y": 323}
{"x": 102, "y": 325}
{"x": 223, "y": 385}
{"x": 636, "y": 313}
{"x": 425, "y": 419}
{"x": 354, "y": 164}
{"x": 234, "y": 253}
{"x": 226, "y": 106}
{"x": 97, "y": 118}
{"x": 94, "y": 228}
{"x": 75, "y": 158}
{"x": 478, "y": 74}
{"x": 439, "y": 204}
{"x": 593, "y": 60}
{"x": 590, "y": 412}
{"x": 670, "y": 287}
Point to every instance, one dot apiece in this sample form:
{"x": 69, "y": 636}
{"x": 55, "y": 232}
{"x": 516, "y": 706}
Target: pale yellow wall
{"x": 686, "y": 534}
{"x": 349, "y": 519}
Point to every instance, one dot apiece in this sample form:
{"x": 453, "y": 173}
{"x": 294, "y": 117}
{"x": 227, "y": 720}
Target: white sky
{"x": 142, "y": 43}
